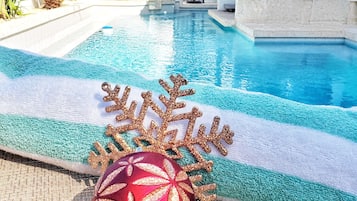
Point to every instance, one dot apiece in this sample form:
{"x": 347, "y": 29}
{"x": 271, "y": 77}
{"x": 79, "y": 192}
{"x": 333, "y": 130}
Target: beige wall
{"x": 293, "y": 11}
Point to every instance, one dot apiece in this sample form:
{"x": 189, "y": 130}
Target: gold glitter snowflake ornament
{"x": 161, "y": 136}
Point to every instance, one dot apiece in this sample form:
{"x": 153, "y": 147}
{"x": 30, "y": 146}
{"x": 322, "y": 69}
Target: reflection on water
{"x": 192, "y": 44}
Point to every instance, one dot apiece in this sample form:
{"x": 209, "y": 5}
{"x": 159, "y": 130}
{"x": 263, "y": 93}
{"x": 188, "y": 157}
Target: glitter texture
{"x": 154, "y": 138}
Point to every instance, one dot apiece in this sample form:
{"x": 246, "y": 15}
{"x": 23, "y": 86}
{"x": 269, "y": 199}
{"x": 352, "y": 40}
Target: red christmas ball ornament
{"x": 144, "y": 176}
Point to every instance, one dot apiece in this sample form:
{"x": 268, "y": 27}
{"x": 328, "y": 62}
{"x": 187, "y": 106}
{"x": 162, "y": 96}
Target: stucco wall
{"x": 292, "y": 11}
{"x": 220, "y": 3}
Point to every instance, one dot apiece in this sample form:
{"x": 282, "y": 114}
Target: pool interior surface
{"x": 316, "y": 72}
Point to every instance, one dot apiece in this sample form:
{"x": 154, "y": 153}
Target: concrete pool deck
{"x": 55, "y": 32}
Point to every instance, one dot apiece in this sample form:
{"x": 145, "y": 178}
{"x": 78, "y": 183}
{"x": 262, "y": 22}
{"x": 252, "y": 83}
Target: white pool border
{"x": 55, "y": 32}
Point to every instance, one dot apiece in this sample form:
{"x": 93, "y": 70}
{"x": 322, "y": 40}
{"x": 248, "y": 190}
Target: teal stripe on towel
{"x": 336, "y": 121}
{"x": 333, "y": 120}
{"x": 73, "y": 141}
{"x": 56, "y": 139}
{"x": 248, "y": 183}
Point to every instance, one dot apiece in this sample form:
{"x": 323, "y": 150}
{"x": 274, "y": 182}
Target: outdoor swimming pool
{"x": 317, "y": 72}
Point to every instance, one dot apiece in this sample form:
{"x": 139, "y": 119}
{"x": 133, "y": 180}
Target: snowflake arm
{"x": 157, "y": 137}
{"x": 105, "y": 158}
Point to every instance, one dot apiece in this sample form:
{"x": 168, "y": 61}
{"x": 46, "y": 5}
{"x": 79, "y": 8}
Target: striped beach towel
{"x": 51, "y": 110}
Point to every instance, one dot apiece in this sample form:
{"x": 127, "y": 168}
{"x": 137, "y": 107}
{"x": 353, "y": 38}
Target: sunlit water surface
{"x": 315, "y": 72}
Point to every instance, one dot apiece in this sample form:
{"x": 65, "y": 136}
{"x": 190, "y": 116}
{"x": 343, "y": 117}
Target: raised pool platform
{"x": 257, "y": 30}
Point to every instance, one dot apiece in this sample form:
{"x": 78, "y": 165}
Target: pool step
{"x": 38, "y": 30}
{"x": 83, "y": 24}
{"x": 55, "y": 33}
{"x": 64, "y": 41}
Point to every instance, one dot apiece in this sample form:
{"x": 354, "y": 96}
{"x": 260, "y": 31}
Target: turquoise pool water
{"x": 316, "y": 72}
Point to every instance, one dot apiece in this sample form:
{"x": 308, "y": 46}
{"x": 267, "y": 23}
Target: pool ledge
{"x": 57, "y": 31}
{"x": 257, "y": 30}
{"x": 37, "y": 17}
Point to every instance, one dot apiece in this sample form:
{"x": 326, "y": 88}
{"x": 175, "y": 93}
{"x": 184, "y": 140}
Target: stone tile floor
{"x": 30, "y": 180}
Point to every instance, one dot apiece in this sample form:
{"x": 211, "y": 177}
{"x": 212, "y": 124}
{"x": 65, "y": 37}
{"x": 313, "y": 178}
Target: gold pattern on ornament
{"x": 163, "y": 178}
{"x": 154, "y": 138}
